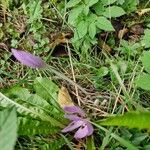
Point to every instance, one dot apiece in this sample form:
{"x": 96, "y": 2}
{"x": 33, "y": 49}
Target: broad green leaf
{"x": 120, "y": 2}
{"x": 91, "y": 18}
{"x": 34, "y": 101}
{"x": 130, "y": 5}
{"x": 74, "y": 14}
{"x": 18, "y": 92}
{"x": 92, "y": 30}
{"x": 92, "y": 2}
{"x": 104, "y": 24}
{"x": 32, "y": 127}
{"x": 113, "y": 11}
{"x": 39, "y": 102}
{"x": 99, "y": 8}
{"x": 26, "y": 109}
{"x": 72, "y": 3}
{"x": 144, "y": 82}
{"x": 8, "y": 129}
{"x": 146, "y": 60}
{"x": 47, "y": 89}
{"x": 139, "y": 120}
{"x": 108, "y": 2}
{"x": 146, "y": 39}
{"x": 86, "y": 10}
{"x": 82, "y": 29}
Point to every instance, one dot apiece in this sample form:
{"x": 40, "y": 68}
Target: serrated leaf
{"x": 82, "y": 29}
{"x": 146, "y": 60}
{"x": 144, "y": 82}
{"x": 146, "y": 39}
{"x": 74, "y": 14}
{"x": 113, "y": 11}
{"x": 18, "y": 92}
{"x": 34, "y": 101}
{"x": 25, "y": 109}
{"x": 92, "y": 30}
{"x": 28, "y": 126}
{"x": 72, "y": 3}
{"x": 47, "y": 89}
{"x": 139, "y": 120}
{"x": 104, "y": 24}
{"x": 8, "y": 129}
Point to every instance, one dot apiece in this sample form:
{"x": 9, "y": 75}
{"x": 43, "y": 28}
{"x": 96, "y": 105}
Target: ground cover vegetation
{"x": 74, "y": 74}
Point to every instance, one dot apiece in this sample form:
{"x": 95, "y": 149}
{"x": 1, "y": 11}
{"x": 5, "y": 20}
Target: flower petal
{"x": 72, "y": 117}
{"x": 90, "y": 128}
{"x": 82, "y": 132}
{"x": 28, "y": 59}
{"x": 73, "y": 125}
{"x": 74, "y": 109}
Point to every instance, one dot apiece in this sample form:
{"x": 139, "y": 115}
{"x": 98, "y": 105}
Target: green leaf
{"x": 101, "y": 72}
{"x": 28, "y": 126}
{"x": 130, "y": 6}
{"x": 47, "y": 89}
{"x": 90, "y": 143}
{"x": 86, "y": 10}
{"x": 18, "y": 92}
{"x": 26, "y": 109}
{"x": 82, "y": 28}
{"x": 146, "y": 39}
{"x": 146, "y": 60}
{"x": 92, "y": 2}
{"x": 99, "y": 8}
{"x": 113, "y": 11}
{"x": 144, "y": 82}
{"x": 108, "y": 2}
{"x": 92, "y": 30}
{"x": 72, "y": 3}
{"x": 8, "y": 129}
{"x": 35, "y": 11}
{"x": 139, "y": 120}
{"x": 104, "y": 24}
{"x": 74, "y": 14}
{"x": 124, "y": 142}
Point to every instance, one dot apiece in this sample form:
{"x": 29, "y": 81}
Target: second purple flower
{"x": 79, "y": 122}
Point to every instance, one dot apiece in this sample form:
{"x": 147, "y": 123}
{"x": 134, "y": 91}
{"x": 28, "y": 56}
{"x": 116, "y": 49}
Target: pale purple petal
{"x": 28, "y": 59}
{"x": 72, "y": 117}
{"x": 90, "y": 128}
{"x": 82, "y": 132}
{"x": 74, "y": 109}
{"x": 73, "y": 125}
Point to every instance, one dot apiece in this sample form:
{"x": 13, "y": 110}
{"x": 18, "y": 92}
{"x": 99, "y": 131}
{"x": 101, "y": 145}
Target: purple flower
{"x": 77, "y": 116}
{"x": 28, "y": 59}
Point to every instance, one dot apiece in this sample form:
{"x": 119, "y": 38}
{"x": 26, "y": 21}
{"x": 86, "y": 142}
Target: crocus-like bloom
{"x": 77, "y": 116}
{"x": 28, "y": 59}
